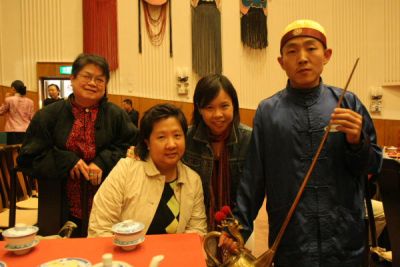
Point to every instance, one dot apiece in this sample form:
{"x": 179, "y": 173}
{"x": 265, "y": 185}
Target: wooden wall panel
{"x": 50, "y": 69}
{"x": 392, "y": 127}
{"x": 380, "y": 130}
{"x": 246, "y": 116}
{"x": 35, "y": 98}
{"x": 388, "y": 131}
{"x": 116, "y": 99}
{"x": 187, "y": 109}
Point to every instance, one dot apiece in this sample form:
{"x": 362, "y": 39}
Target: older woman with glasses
{"x": 73, "y": 141}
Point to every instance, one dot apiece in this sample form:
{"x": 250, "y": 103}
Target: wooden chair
{"x": 8, "y": 162}
{"x": 23, "y": 182}
{"x": 9, "y": 216}
{"x": 50, "y": 205}
{"x": 389, "y": 183}
{"x": 47, "y": 213}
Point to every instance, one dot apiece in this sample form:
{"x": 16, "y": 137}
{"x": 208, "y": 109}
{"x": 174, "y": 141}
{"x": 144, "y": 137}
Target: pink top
{"x": 19, "y": 112}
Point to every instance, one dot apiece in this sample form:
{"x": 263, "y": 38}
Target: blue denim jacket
{"x": 199, "y": 156}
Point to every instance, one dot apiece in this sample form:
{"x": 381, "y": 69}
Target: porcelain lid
{"x": 127, "y": 227}
{"x": 20, "y": 230}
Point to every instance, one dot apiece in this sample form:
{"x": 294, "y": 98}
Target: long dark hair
{"x": 151, "y": 116}
{"x": 207, "y": 89}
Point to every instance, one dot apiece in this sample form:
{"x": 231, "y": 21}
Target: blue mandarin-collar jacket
{"x": 327, "y": 228}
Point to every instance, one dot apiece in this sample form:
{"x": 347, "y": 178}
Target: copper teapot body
{"x": 243, "y": 259}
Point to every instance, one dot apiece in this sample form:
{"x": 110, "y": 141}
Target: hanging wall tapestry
{"x": 206, "y": 37}
{"x": 253, "y": 23}
{"x": 100, "y": 36}
{"x": 155, "y": 18}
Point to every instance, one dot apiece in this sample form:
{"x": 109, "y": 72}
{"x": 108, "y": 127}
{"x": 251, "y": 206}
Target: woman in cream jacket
{"x": 158, "y": 190}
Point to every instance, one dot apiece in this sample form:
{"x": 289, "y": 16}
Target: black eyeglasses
{"x": 87, "y": 78}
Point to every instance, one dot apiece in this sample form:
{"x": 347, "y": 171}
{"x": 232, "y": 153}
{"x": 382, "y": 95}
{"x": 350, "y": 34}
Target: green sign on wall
{"x": 65, "y": 69}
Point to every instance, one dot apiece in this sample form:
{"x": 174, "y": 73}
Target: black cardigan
{"x": 44, "y": 154}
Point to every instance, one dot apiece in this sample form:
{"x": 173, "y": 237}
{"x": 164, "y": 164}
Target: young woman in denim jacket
{"x": 217, "y": 143}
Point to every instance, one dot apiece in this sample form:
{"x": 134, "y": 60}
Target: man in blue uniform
{"x": 327, "y": 228}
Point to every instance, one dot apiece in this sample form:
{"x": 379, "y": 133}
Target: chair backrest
{"x": 8, "y": 161}
{"x": 389, "y": 183}
{"x": 3, "y": 195}
{"x": 4, "y": 189}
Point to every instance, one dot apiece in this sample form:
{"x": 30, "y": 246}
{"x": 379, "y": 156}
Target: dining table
{"x": 177, "y": 249}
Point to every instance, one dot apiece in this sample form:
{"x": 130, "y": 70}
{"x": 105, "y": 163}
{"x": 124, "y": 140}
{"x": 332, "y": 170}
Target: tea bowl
{"x": 128, "y": 234}
{"x": 21, "y": 238}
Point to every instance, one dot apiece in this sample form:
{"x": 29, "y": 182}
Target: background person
{"x": 327, "y": 228}
{"x": 54, "y": 94}
{"x": 18, "y": 111}
{"x": 157, "y": 190}
{"x": 77, "y": 139}
{"x": 133, "y": 114}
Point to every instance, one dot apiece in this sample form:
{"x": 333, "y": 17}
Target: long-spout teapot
{"x": 243, "y": 258}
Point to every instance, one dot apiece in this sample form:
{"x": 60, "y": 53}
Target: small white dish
{"x": 22, "y": 249}
{"x": 128, "y": 245}
{"x": 114, "y": 264}
{"x": 391, "y": 149}
{"x": 107, "y": 261}
{"x": 78, "y": 262}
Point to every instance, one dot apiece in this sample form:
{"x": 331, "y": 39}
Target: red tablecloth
{"x": 178, "y": 249}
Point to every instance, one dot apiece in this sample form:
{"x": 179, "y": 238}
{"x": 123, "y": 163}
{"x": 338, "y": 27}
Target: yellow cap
{"x": 304, "y": 27}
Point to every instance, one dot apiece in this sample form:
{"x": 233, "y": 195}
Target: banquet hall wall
{"x": 51, "y": 31}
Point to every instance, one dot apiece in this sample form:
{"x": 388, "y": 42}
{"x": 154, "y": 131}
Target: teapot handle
{"x": 210, "y": 235}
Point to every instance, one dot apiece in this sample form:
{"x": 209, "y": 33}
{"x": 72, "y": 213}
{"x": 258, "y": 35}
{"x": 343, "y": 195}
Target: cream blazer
{"x": 133, "y": 191}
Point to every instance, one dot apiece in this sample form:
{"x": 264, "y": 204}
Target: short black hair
{"x": 55, "y": 85}
{"x": 19, "y": 86}
{"x": 151, "y": 116}
{"x": 207, "y": 89}
{"x": 127, "y": 101}
{"x": 84, "y": 59}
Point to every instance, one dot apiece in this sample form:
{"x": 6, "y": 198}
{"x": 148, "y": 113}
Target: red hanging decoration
{"x": 100, "y": 32}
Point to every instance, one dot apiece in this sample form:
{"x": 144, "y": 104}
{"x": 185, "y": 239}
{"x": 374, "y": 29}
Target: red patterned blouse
{"x": 81, "y": 140}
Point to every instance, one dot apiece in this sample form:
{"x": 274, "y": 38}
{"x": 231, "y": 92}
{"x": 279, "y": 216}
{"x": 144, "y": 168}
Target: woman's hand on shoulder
{"x": 130, "y": 153}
